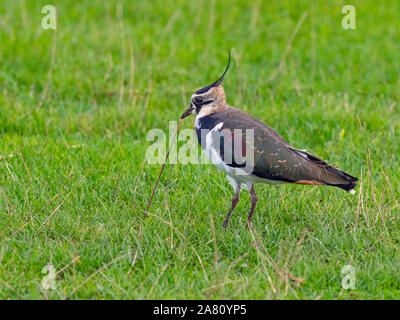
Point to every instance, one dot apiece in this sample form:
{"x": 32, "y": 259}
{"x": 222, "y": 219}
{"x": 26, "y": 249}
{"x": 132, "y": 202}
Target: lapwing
{"x": 273, "y": 159}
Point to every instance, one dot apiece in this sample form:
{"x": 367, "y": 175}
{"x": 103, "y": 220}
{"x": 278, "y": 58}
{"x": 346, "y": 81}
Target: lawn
{"x": 76, "y": 104}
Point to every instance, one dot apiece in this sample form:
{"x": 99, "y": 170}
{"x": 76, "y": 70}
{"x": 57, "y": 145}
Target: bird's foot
{"x": 225, "y": 224}
{"x": 248, "y": 224}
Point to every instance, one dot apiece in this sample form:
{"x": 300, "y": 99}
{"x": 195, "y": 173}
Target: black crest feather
{"x": 219, "y": 81}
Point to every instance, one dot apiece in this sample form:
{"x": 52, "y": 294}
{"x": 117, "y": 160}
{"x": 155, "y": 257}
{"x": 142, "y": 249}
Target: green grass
{"x": 74, "y": 183}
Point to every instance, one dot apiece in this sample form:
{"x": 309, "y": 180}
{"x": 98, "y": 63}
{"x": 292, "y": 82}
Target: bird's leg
{"x": 253, "y": 205}
{"x": 235, "y": 200}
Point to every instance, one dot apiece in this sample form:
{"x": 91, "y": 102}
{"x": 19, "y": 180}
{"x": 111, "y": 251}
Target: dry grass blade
{"x": 182, "y": 237}
{"x": 262, "y": 260}
{"x": 156, "y": 281}
{"x": 390, "y": 188}
{"x": 162, "y": 169}
{"x": 68, "y": 265}
{"x": 234, "y": 263}
{"x": 358, "y": 203}
{"x": 59, "y": 205}
{"x": 97, "y": 271}
{"x": 49, "y": 75}
{"x": 371, "y": 175}
{"x": 11, "y": 288}
{"x": 282, "y": 63}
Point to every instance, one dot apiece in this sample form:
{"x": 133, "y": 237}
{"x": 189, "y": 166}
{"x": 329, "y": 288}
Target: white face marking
{"x": 197, "y": 123}
{"x": 205, "y": 110}
{"x": 208, "y": 104}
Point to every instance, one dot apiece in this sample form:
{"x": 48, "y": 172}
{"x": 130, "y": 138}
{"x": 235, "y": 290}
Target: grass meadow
{"x": 76, "y": 104}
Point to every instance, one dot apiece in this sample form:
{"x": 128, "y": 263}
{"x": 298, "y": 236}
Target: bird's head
{"x": 208, "y": 99}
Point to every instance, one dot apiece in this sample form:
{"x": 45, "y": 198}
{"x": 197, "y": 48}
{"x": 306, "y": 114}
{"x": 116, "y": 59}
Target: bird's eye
{"x": 198, "y": 100}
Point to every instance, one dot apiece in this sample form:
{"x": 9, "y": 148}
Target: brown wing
{"x": 275, "y": 159}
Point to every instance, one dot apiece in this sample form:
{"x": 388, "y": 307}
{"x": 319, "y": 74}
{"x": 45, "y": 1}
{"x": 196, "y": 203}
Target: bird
{"x": 268, "y": 157}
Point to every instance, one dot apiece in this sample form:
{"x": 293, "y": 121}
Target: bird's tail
{"x": 330, "y": 175}
{"x": 349, "y": 182}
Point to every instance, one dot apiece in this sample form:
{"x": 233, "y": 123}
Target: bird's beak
{"x": 187, "y": 112}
